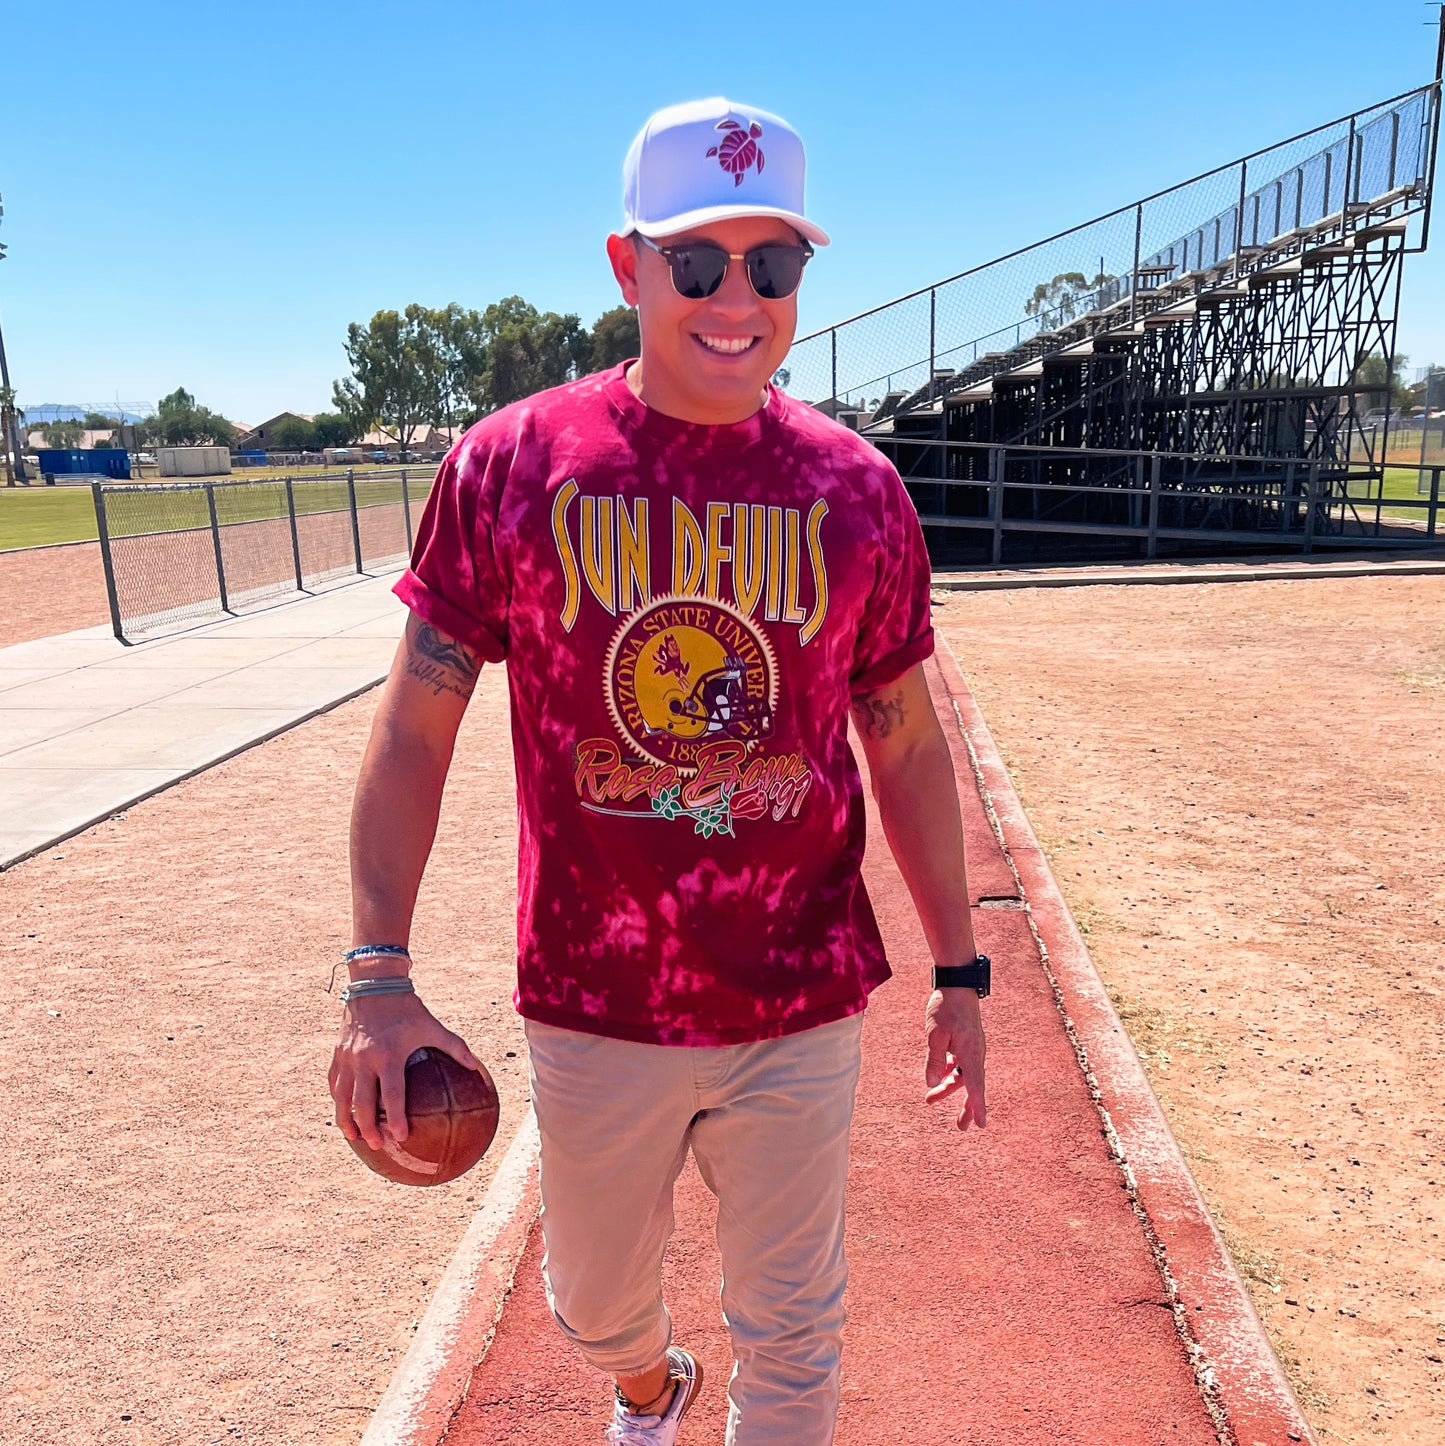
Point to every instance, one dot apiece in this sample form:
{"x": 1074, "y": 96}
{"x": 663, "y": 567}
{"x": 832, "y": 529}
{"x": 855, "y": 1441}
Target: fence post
{"x": 103, "y": 529}
{"x": 1312, "y": 484}
{"x": 833, "y": 339}
{"x": 1434, "y": 501}
{"x": 216, "y": 543}
{"x": 406, "y": 509}
{"x": 932, "y": 337}
{"x": 295, "y": 536}
{"x": 996, "y": 457}
{"x": 355, "y": 523}
{"x": 1239, "y": 216}
{"x": 1286, "y": 501}
{"x": 1156, "y": 464}
{"x": 1350, "y": 178}
{"x": 1134, "y": 275}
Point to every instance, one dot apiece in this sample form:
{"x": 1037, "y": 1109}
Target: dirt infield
{"x": 49, "y": 590}
{"x": 200, "y": 1258}
{"x": 1241, "y": 791}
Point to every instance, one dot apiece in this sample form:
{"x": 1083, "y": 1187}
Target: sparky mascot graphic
{"x": 700, "y": 693}
{"x": 739, "y": 149}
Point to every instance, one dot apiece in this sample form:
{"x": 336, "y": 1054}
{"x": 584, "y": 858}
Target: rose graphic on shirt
{"x": 739, "y": 149}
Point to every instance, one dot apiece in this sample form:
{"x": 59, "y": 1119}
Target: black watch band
{"x": 977, "y": 975}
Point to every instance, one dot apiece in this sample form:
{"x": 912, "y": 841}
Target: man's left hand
{"x": 956, "y": 1050}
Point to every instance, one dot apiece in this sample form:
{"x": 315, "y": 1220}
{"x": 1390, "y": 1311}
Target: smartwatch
{"x": 977, "y": 975}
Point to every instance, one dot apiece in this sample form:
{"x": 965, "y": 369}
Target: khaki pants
{"x": 768, "y": 1125}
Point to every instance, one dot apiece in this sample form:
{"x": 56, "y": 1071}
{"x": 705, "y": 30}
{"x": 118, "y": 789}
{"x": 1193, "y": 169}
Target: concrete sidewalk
{"x": 89, "y": 725}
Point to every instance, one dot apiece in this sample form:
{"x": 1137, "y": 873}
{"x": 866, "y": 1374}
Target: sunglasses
{"x": 698, "y": 268}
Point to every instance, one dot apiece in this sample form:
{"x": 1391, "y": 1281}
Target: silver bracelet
{"x": 360, "y": 988}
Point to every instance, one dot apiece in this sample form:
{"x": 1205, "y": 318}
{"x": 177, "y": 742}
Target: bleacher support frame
{"x": 1203, "y": 395}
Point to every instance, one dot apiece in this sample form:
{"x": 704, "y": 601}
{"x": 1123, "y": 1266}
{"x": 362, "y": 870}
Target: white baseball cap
{"x": 710, "y": 160}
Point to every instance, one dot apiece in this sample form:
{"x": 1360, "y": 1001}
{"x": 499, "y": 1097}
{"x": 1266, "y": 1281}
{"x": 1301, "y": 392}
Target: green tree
{"x": 179, "y": 422}
{"x": 295, "y": 434}
{"x": 62, "y": 434}
{"x": 1068, "y": 295}
{"x": 615, "y": 338}
{"x": 528, "y": 351}
{"x": 462, "y": 341}
{"x": 442, "y": 367}
{"x": 332, "y": 429}
{"x": 1377, "y": 384}
{"x": 99, "y": 422}
{"x": 395, "y": 383}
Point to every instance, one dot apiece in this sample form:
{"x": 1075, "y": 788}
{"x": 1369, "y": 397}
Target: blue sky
{"x": 206, "y": 195}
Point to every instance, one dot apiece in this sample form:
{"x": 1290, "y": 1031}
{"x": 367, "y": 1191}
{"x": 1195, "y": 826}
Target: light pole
{"x": 9, "y": 433}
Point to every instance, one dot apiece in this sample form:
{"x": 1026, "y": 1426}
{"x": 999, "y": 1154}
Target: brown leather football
{"x": 452, "y": 1112}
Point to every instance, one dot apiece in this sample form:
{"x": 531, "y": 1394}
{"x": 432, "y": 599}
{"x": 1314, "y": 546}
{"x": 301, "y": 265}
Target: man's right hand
{"x": 378, "y": 1035}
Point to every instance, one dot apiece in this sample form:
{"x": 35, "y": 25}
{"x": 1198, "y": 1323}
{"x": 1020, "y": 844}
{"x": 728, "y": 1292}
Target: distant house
{"x": 262, "y": 437}
{"x": 35, "y": 440}
{"x": 425, "y": 440}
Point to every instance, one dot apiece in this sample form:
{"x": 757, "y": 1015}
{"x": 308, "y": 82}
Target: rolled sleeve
{"x": 455, "y": 581}
{"x": 897, "y": 628}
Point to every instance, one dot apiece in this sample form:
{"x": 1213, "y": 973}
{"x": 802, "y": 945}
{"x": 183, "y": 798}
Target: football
{"x": 452, "y": 1113}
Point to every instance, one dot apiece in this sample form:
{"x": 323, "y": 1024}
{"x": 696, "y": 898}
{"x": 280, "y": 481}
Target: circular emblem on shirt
{"x": 682, "y": 672}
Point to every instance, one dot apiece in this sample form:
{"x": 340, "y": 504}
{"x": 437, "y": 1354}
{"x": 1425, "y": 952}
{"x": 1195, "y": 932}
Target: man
{"x": 689, "y": 576}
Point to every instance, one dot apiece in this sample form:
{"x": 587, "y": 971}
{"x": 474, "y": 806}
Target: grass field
{"x": 44, "y": 516}
{"x": 37, "y": 517}
{"x": 1402, "y": 484}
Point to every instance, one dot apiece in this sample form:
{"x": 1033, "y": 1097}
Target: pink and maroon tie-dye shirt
{"x": 684, "y": 612}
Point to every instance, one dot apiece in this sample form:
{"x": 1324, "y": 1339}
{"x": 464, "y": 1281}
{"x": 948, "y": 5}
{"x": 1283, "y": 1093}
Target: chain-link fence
{"x": 974, "y": 324}
{"x": 180, "y": 554}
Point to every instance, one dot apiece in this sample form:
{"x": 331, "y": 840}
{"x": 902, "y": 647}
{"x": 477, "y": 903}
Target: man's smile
{"x": 726, "y": 345}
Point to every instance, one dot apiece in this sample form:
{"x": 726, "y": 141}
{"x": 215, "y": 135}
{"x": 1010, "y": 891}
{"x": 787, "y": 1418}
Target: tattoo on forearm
{"x": 441, "y": 664}
{"x": 876, "y": 716}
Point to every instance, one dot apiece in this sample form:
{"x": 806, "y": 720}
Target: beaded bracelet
{"x": 361, "y": 988}
{"x": 373, "y": 951}
{"x": 368, "y": 951}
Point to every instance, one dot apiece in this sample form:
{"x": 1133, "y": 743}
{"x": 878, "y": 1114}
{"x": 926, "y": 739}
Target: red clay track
{"x": 1003, "y": 1289}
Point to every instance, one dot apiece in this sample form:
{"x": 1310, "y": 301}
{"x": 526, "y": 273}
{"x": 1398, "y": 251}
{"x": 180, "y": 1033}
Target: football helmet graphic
{"x": 690, "y": 687}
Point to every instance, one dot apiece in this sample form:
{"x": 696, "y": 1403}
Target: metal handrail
{"x": 1136, "y": 453}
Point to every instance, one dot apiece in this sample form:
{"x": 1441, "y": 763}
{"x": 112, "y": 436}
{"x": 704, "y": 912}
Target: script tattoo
{"x": 441, "y": 664}
{"x": 876, "y": 716}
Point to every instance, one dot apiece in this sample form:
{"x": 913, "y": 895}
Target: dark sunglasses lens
{"x": 697, "y": 271}
{"x": 775, "y": 271}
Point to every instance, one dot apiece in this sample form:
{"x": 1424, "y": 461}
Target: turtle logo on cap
{"x": 739, "y": 149}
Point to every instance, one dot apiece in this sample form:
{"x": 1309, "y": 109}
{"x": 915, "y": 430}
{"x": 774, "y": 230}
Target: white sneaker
{"x": 629, "y": 1430}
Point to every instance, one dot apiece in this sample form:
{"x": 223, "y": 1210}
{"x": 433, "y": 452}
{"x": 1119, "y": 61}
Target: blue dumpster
{"x": 113, "y": 462}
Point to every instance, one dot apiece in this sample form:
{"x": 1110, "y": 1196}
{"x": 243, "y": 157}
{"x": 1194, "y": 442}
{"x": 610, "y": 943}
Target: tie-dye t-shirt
{"x": 684, "y": 612}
